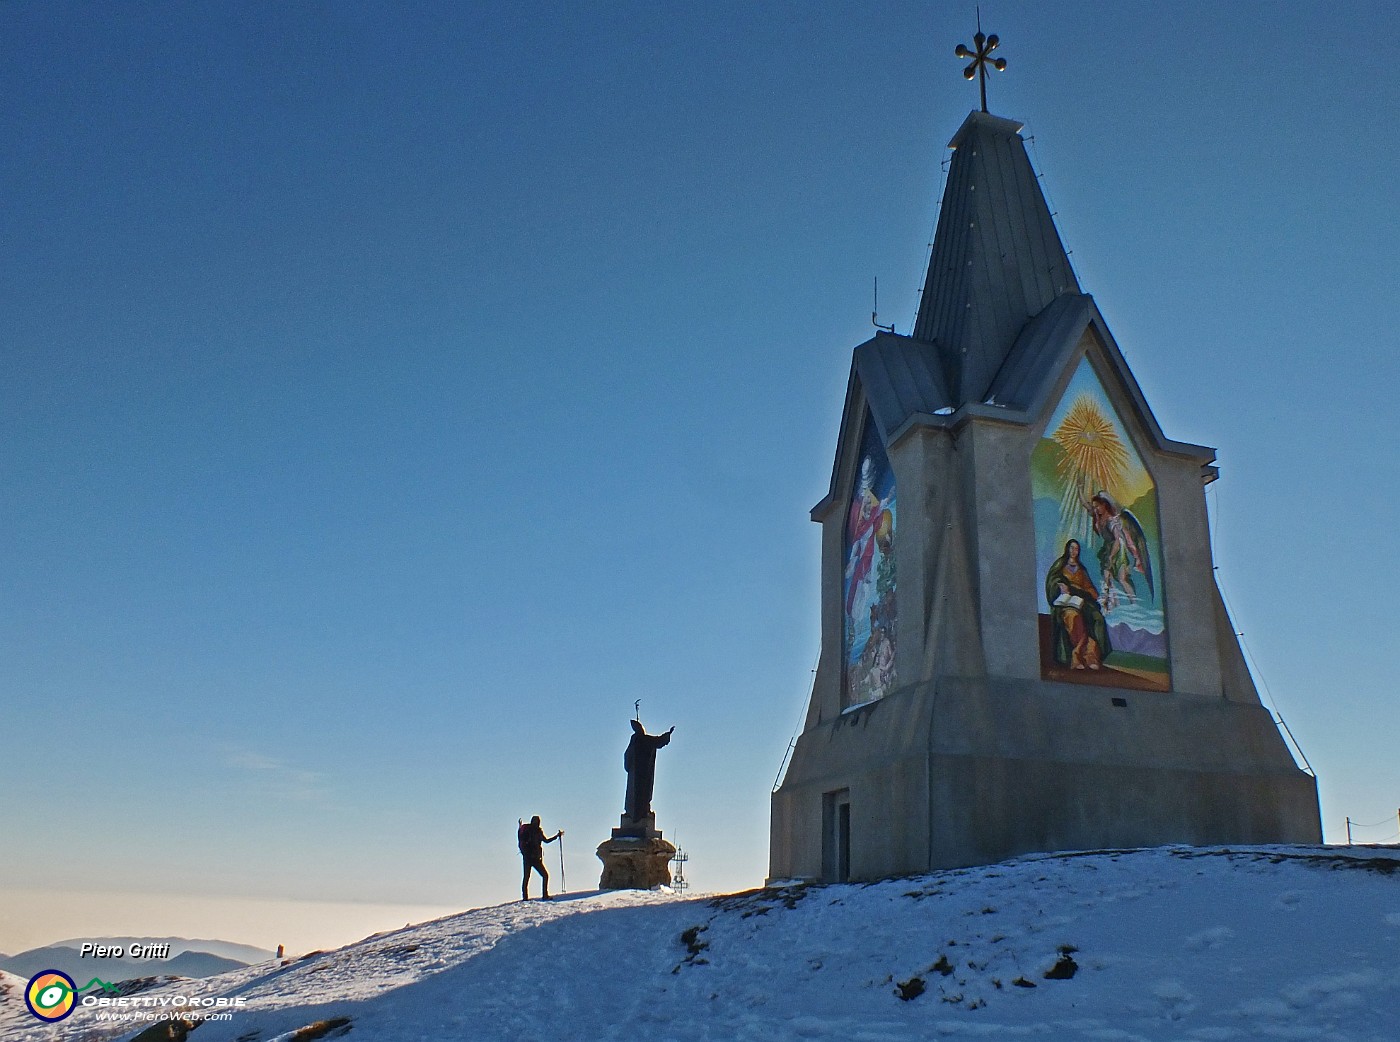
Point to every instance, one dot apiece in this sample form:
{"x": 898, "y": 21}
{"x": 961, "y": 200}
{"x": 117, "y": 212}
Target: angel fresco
{"x": 1122, "y": 548}
{"x": 1094, "y": 496}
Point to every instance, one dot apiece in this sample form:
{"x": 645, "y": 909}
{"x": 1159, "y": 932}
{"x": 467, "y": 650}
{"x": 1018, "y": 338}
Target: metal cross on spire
{"x": 981, "y": 57}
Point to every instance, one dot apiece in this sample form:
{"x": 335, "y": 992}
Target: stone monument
{"x": 636, "y": 857}
{"x": 1023, "y": 645}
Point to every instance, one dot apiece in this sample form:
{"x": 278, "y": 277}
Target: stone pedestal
{"x": 636, "y": 857}
{"x": 635, "y": 864}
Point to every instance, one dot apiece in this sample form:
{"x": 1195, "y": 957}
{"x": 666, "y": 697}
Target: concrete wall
{"x": 974, "y": 758}
{"x": 998, "y": 459}
{"x": 969, "y": 771}
{"x": 1019, "y": 767}
{"x": 879, "y": 752}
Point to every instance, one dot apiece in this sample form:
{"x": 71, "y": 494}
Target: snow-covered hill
{"x": 1167, "y": 944}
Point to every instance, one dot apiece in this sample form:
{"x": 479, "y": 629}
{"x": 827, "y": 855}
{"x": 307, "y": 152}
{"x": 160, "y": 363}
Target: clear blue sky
{"x": 391, "y": 395}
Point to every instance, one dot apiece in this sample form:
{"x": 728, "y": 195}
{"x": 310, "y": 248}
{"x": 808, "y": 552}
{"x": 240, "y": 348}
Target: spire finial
{"x": 981, "y": 57}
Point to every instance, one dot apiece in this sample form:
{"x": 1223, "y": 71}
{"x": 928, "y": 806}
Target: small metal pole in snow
{"x": 1348, "y": 831}
{"x": 563, "y": 879}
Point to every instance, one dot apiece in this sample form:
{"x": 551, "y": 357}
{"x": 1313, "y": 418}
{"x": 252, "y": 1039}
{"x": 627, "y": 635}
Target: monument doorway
{"x": 836, "y": 836}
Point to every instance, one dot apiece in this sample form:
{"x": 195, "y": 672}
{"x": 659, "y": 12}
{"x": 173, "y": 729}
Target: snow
{"x": 1168, "y": 944}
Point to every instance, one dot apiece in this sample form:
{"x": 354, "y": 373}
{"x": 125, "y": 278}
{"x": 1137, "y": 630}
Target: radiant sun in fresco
{"x": 1094, "y": 456}
{"x": 1098, "y": 540}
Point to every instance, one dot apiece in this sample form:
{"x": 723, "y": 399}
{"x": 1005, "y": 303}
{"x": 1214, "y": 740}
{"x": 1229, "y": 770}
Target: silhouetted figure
{"x": 640, "y": 761}
{"x": 531, "y": 839}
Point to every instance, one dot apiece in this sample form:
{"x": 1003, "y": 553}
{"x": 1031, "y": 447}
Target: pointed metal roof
{"x": 997, "y": 258}
{"x": 1001, "y": 318}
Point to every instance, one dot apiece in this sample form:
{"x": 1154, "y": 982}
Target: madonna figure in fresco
{"x": 1079, "y": 631}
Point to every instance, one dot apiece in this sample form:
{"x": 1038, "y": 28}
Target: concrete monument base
{"x": 635, "y": 862}
{"x": 637, "y": 828}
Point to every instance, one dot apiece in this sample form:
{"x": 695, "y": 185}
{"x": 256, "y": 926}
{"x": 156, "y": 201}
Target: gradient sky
{"x": 394, "y": 393}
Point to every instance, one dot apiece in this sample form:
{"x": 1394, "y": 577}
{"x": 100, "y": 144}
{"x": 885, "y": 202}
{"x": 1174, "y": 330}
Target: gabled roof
{"x": 997, "y": 258}
{"x": 901, "y": 376}
{"x": 1045, "y": 350}
{"x": 902, "y": 385}
{"x": 1033, "y": 358}
{"x": 1001, "y": 318}
{"x": 897, "y": 377}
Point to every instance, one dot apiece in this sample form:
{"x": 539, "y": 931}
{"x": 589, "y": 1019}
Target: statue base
{"x": 635, "y": 862}
{"x": 637, "y": 828}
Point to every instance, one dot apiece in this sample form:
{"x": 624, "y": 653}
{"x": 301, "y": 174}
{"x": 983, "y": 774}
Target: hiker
{"x": 531, "y": 839}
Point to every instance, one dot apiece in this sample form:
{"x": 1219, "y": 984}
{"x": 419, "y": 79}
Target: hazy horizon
{"x": 38, "y": 918}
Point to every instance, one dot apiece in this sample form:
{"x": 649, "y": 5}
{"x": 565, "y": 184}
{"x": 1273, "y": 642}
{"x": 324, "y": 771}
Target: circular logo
{"x": 50, "y": 995}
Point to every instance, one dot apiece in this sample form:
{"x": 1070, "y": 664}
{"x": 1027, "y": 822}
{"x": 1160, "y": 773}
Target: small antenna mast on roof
{"x": 875, "y": 314}
{"x": 637, "y": 710}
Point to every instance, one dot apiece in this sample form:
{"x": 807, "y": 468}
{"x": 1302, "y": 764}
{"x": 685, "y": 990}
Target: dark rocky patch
{"x": 909, "y": 989}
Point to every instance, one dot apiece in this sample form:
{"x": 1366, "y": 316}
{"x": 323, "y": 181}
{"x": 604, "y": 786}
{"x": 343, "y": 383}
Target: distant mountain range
{"x": 1141, "y": 642}
{"x": 188, "y": 958}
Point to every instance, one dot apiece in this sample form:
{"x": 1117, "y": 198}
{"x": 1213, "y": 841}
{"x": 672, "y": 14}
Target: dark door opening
{"x": 836, "y": 836}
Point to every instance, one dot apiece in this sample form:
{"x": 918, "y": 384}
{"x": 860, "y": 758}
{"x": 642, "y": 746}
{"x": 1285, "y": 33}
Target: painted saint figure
{"x": 874, "y": 667}
{"x": 869, "y": 528}
{"x": 640, "y": 763}
{"x": 1122, "y": 548}
{"x": 868, "y": 616}
{"x": 1079, "y": 632}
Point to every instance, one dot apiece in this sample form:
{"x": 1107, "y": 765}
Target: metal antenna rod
{"x": 875, "y": 314}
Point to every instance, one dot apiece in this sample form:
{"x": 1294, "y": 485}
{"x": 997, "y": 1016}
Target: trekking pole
{"x": 563, "y": 880}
